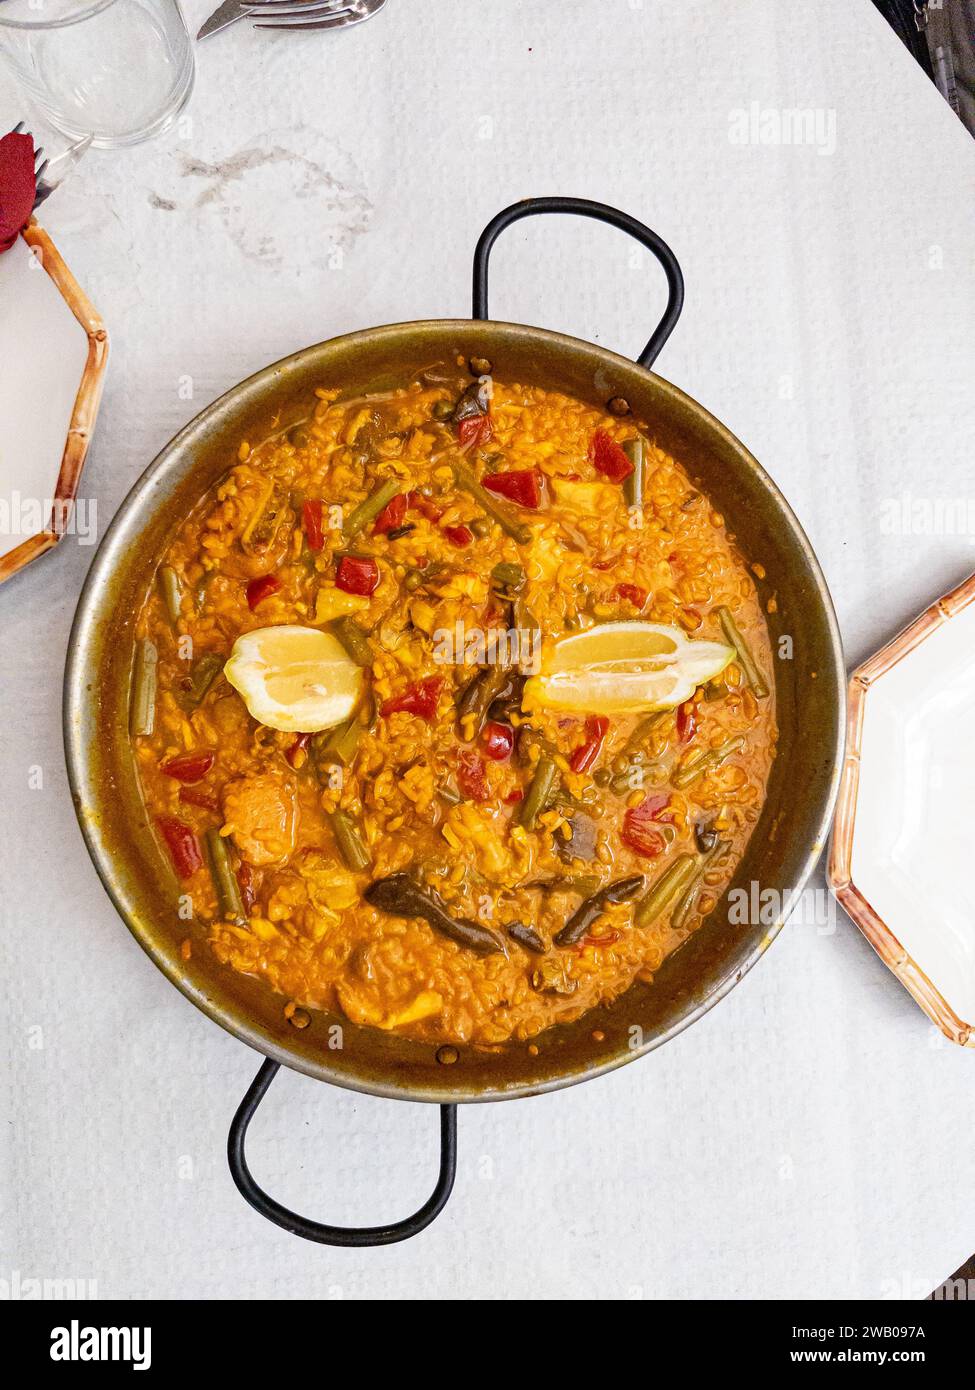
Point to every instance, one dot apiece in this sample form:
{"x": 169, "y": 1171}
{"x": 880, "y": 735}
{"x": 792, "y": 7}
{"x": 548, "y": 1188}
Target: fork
{"x": 319, "y": 14}
{"x": 50, "y": 173}
{"x": 315, "y": 14}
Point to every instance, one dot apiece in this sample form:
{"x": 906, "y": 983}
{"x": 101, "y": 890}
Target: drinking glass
{"x": 118, "y": 70}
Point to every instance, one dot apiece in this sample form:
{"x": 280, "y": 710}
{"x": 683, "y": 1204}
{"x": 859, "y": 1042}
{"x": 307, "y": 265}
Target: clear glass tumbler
{"x": 118, "y": 70}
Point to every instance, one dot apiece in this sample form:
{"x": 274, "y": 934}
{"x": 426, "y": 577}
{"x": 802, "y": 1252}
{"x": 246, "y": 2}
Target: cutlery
{"x": 302, "y": 15}
{"x": 297, "y": 14}
{"x": 50, "y": 173}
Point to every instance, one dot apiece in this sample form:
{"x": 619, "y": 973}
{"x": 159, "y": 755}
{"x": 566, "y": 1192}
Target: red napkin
{"x": 18, "y": 187}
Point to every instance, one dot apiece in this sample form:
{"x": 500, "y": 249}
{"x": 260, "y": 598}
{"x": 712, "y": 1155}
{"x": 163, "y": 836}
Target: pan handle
{"x": 317, "y": 1230}
{"x": 583, "y": 207}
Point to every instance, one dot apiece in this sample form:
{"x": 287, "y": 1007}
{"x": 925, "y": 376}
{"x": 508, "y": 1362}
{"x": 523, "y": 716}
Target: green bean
{"x": 524, "y": 622}
{"x": 342, "y": 743}
{"x": 354, "y": 640}
{"x": 690, "y": 772}
{"x": 528, "y": 738}
{"x": 349, "y": 841}
{"x": 745, "y": 659}
{"x": 479, "y": 694}
{"x": 561, "y": 798}
{"x": 541, "y": 787}
{"x": 171, "y": 594}
{"x": 204, "y": 673}
{"x": 633, "y": 485}
{"x": 224, "y": 878}
{"x": 200, "y": 592}
{"x": 583, "y": 884}
{"x": 507, "y": 575}
{"x": 685, "y": 903}
{"x": 369, "y": 509}
{"x": 262, "y": 531}
{"x": 142, "y": 718}
{"x": 667, "y": 888}
{"x": 643, "y": 728}
{"x": 466, "y": 480}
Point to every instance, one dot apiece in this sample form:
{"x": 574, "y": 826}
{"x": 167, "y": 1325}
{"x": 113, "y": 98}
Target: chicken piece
{"x": 261, "y": 815}
{"x": 427, "y": 1004}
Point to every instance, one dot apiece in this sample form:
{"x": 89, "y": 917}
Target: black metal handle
{"x": 602, "y": 212}
{"x": 317, "y": 1230}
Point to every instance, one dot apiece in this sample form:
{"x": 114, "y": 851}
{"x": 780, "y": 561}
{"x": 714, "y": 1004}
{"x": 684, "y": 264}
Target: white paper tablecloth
{"x": 812, "y": 1135}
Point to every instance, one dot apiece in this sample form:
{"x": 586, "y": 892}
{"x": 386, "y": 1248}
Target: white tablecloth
{"x": 812, "y": 1135}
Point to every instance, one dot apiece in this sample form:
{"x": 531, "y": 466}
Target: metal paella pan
{"x": 782, "y": 850}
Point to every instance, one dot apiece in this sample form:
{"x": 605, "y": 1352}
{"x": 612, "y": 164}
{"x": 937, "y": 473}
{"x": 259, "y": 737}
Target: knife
{"x": 227, "y": 13}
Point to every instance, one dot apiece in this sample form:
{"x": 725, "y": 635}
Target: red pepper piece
{"x": 610, "y": 939}
{"x": 183, "y": 846}
{"x": 189, "y": 767}
{"x": 521, "y": 485}
{"x": 419, "y": 699}
{"x": 357, "y": 574}
{"x": 632, "y": 593}
{"x": 639, "y": 831}
{"x": 391, "y": 516}
{"x": 608, "y": 458}
{"x": 299, "y": 746}
{"x": 261, "y": 588}
{"x": 417, "y": 501}
{"x": 247, "y": 881}
{"x": 312, "y": 522}
{"x": 476, "y": 430}
{"x": 597, "y": 727}
{"x": 459, "y": 535}
{"x": 192, "y": 797}
{"x": 687, "y": 721}
{"x": 514, "y": 797}
{"x": 472, "y": 777}
{"x": 499, "y": 740}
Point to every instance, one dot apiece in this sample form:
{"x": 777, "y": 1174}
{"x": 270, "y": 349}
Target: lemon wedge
{"x": 624, "y": 668}
{"x": 296, "y": 679}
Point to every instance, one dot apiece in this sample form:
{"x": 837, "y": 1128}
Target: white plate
{"x": 53, "y": 349}
{"x": 902, "y": 853}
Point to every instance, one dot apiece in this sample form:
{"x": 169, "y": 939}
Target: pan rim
{"x": 76, "y": 690}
